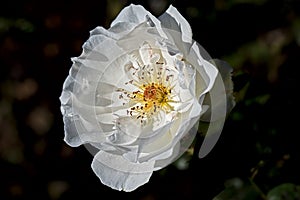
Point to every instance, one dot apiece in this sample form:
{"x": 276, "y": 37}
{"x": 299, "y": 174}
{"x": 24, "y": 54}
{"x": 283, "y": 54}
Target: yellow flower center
{"x": 156, "y": 93}
{"x": 153, "y": 94}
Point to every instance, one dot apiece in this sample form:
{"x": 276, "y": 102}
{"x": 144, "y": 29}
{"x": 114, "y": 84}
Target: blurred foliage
{"x": 239, "y": 190}
{"x": 21, "y": 24}
{"x": 287, "y": 191}
{"x": 258, "y": 153}
{"x": 247, "y": 190}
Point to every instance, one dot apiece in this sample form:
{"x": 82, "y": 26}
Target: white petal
{"x": 172, "y": 155}
{"x": 80, "y": 119}
{"x": 173, "y": 20}
{"x": 184, "y": 131}
{"x": 141, "y": 34}
{"x": 78, "y": 131}
{"x": 145, "y": 52}
{"x": 71, "y": 135}
{"x": 212, "y": 73}
{"x": 222, "y": 92}
{"x": 135, "y": 14}
{"x": 104, "y": 46}
{"x": 212, "y": 135}
{"x": 218, "y": 108}
{"x": 127, "y": 131}
{"x": 221, "y": 102}
{"x": 130, "y": 130}
{"x": 119, "y": 173}
{"x": 98, "y": 52}
{"x": 116, "y": 32}
{"x": 156, "y": 148}
{"x": 89, "y": 46}
{"x": 226, "y": 73}
{"x": 207, "y": 72}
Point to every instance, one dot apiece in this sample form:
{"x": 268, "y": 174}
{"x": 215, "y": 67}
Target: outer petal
{"x": 130, "y": 17}
{"x": 134, "y": 14}
{"x": 84, "y": 96}
{"x": 173, "y": 20}
{"x": 71, "y": 135}
{"x": 119, "y": 173}
{"x": 116, "y": 32}
{"x": 221, "y": 101}
{"x": 180, "y": 134}
{"x": 222, "y": 89}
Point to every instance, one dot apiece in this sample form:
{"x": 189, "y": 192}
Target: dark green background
{"x": 258, "y": 149}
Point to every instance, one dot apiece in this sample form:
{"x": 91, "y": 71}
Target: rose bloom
{"x": 135, "y": 95}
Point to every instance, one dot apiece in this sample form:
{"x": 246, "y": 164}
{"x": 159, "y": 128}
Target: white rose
{"x": 136, "y": 95}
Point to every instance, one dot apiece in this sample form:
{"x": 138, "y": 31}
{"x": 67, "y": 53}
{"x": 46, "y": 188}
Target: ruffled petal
{"x": 185, "y": 135}
{"x": 223, "y": 89}
{"x": 135, "y": 14}
{"x": 79, "y": 131}
{"x": 182, "y": 133}
{"x": 173, "y": 20}
{"x": 207, "y": 72}
{"x": 85, "y": 96}
{"x": 119, "y": 173}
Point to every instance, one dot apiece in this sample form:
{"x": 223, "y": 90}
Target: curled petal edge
{"x": 119, "y": 173}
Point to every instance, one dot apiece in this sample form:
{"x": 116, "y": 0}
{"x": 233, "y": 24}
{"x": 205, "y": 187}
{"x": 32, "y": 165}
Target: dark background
{"x": 257, "y": 151}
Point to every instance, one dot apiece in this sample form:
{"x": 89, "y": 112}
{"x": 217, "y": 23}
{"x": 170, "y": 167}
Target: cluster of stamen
{"x": 153, "y": 92}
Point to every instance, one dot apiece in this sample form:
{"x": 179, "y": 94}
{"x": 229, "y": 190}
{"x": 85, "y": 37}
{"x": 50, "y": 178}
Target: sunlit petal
{"x": 120, "y": 174}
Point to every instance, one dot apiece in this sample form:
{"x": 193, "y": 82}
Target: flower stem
{"x": 255, "y": 186}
